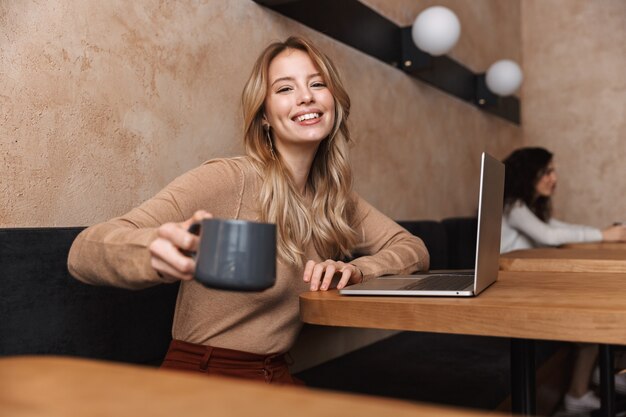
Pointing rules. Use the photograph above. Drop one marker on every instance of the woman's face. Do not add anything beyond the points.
(299, 107)
(547, 182)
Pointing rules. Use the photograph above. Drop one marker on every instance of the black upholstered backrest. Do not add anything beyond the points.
(43, 310)
(433, 234)
(461, 233)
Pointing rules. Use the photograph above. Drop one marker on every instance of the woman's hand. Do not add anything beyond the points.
(166, 253)
(614, 233)
(321, 274)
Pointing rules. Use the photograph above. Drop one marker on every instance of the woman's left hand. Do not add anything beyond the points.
(320, 274)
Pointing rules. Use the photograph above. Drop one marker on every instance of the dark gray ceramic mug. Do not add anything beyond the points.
(236, 255)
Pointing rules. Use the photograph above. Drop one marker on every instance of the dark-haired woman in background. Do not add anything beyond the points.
(530, 182)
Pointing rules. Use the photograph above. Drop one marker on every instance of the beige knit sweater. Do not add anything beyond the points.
(115, 253)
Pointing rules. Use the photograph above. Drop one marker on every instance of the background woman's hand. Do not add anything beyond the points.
(615, 233)
(320, 275)
(166, 255)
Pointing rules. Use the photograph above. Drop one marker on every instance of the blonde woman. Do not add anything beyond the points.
(295, 174)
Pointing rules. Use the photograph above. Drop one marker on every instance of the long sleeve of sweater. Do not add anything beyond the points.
(552, 233)
(387, 247)
(116, 252)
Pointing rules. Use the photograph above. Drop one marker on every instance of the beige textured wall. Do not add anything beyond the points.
(103, 103)
(574, 102)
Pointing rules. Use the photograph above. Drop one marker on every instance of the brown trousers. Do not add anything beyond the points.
(272, 369)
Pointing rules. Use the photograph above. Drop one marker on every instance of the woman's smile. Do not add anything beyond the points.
(308, 118)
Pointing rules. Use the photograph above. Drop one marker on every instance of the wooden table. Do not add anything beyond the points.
(584, 307)
(587, 307)
(564, 260)
(576, 258)
(54, 386)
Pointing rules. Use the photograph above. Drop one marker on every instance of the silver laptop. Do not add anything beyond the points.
(456, 283)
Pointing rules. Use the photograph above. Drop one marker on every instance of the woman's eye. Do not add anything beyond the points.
(283, 89)
(318, 84)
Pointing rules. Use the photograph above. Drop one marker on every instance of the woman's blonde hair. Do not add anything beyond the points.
(325, 222)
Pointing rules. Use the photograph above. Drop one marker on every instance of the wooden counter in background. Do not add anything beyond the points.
(596, 245)
(564, 260)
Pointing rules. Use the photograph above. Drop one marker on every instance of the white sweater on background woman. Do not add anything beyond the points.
(522, 229)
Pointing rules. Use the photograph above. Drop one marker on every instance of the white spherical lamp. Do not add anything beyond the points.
(436, 30)
(504, 77)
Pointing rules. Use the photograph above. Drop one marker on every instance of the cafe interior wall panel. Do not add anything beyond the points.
(104, 103)
(574, 102)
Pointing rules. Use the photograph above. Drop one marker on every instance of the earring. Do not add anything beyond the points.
(270, 144)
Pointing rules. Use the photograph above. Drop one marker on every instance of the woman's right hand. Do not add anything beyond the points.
(166, 256)
(614, 233)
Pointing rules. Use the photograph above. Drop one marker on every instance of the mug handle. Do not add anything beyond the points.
(193, 229)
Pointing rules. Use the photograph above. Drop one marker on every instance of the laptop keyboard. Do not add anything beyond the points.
(452, 282)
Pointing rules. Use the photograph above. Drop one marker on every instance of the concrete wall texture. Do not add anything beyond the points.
(574, 102)
(103, 103)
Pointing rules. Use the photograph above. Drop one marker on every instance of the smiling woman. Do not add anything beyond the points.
(302, 121)
(296, 174)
